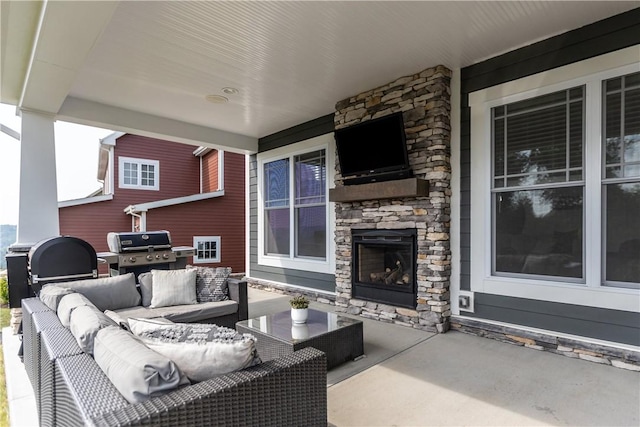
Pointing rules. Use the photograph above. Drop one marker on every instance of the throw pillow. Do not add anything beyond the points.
(68, 303)
(211, 283)
(173, 287)
(85, 323)
(50, 295)
(146, 288)
(138, 372)
(202, 351)
(109, 293)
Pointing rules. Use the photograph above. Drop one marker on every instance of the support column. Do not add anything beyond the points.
(38, 205)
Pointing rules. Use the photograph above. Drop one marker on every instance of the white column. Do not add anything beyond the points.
(38, 205)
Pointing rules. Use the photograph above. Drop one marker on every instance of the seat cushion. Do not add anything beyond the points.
(173, 287)
(109, 293)
(202, 351)
(187, 313)
(138, 372)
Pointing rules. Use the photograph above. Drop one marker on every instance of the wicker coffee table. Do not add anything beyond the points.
(338, 336)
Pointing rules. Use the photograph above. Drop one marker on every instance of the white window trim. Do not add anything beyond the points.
(327, 143)
(590, 72)
(197, 239)
(154, 163)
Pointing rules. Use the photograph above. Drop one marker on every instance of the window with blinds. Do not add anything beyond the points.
(538, 186)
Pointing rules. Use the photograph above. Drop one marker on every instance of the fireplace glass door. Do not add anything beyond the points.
(384, 266)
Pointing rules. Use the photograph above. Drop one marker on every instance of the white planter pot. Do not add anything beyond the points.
(299, 315)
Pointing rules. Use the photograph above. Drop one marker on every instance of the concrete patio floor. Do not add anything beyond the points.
(415, 378)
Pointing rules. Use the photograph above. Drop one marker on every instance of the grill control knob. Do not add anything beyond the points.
(165, 256)
(149, 257)
(158, 256)
(132, 259)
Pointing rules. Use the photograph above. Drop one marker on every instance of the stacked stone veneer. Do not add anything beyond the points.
(424, 99)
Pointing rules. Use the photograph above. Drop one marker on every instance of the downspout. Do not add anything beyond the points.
(220, 170)
(130, 210)
(200, 158)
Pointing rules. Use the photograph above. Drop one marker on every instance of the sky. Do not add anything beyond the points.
(76, 162)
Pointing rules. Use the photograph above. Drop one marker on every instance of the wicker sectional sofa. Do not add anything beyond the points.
(71, 389)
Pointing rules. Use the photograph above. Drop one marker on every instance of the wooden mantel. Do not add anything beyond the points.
(410, 187)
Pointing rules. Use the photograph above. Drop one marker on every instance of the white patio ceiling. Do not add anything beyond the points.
(146, 67)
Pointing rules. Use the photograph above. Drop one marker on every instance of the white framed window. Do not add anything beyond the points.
(140, 174)
(207, 249)
(555, 184)
(294, 219)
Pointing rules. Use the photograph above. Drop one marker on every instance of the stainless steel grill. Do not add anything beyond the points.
(140, 252)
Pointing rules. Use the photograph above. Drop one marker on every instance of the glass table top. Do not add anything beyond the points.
(279, 325)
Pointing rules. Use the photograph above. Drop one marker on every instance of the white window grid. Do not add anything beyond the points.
(140, 174)
(207, 249)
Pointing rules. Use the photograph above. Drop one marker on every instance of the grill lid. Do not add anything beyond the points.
(137, 242)
(62, 258)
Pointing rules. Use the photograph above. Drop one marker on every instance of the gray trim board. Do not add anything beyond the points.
(310, 129)
(599, 323)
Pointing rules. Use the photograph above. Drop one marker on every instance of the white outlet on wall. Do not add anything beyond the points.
(465, 301)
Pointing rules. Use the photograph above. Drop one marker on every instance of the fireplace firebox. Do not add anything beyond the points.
(384, 266)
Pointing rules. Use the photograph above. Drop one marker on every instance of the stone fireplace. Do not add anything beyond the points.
(373, 219)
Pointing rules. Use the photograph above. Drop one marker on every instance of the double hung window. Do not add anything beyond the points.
(546, 186)
(295, 206)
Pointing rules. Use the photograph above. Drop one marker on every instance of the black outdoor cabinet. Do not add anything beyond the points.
(18, 277)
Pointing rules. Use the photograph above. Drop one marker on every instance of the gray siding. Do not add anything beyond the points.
(592, 40)
(319, 281)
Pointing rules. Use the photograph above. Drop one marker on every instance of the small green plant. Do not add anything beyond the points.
(4, 290)
(299, 301)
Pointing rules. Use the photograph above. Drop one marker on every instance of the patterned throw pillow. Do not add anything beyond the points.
(211, 283)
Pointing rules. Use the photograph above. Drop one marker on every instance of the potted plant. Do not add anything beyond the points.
(299, 309)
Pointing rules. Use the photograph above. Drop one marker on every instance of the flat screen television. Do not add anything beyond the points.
(374, 148)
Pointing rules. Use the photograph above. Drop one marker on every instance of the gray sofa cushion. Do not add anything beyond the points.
(202, 351)
(85, 323)
(50, 295)
(173, 287)
(109, 293)
(138, 372)
(146, 288)
(68, 303)
(187, 313)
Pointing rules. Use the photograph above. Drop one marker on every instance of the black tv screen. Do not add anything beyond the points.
(373, 146)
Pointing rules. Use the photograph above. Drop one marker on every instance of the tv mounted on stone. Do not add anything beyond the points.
(373, 151)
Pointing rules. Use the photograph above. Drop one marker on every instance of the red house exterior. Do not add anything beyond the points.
(151, 184)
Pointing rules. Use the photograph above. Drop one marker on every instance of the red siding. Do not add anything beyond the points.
(179, 176)
(222, 216)
(210, 172)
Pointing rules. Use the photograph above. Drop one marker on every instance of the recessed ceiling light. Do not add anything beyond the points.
(216, 99)
(230, 90)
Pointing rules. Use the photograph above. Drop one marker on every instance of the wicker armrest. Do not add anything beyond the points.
(289, 391)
